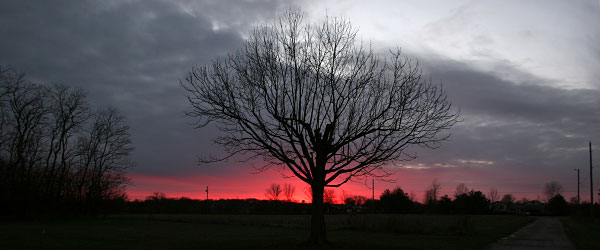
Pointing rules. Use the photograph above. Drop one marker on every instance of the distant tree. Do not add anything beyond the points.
(552, 189)
(289, 191)
(308, 193)
(574, 200)
(104, 152)
(472, 202)
(412, 196)
(329, 196)
(461, 189)
(444, 205)
(508, 199)
(355, 200)
(273, 192)
(431, 194)
(493, 195)
(156, 196)
(557, 205)
(396, 201)
(313, 99)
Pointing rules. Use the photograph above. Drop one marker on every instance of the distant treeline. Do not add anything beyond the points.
(394, 201)
(57, 153)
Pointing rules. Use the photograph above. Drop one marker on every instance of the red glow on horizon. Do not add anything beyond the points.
(244, 185)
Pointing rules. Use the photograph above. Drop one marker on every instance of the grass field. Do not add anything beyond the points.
(583, 231)
(259, 232)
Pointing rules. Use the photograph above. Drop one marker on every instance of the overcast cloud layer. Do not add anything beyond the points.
(523, 76)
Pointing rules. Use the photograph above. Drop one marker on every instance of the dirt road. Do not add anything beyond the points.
(544, 233)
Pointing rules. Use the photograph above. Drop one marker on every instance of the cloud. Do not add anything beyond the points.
(525, 129)
(129, 54)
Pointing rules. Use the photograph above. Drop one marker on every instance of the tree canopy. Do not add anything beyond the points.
(316, 100)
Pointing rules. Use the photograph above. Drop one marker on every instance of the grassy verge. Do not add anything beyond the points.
(194, 233)
(583, 231)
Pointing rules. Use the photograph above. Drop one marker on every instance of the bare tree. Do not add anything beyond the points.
(23, 132)
(412, 196)
(329, 196)
(432, 193)
(493, 195)
(355, 200)
(69, 112)
(273, 192)
(308, 192)
(53, 150)
(289, 191)
(552, 189)
(313, 99)
(104, 157)
(461, 189)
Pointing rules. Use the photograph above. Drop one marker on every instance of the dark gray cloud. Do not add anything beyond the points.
(129, 54)
(527, 129)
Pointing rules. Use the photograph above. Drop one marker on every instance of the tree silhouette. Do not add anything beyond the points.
(508, 199)
(472, 202)
(289, 191)
(329, 196)
(431, 194)
(396, 201)
(493, 195)
(315, 100)
(557, 205)
(461, 189)
(55, 152)
(273, 192)
(552, 189)
(355, 200)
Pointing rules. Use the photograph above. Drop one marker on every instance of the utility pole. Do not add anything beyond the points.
(591, 183)
(578, 199)
(373, 188)
(206, 192)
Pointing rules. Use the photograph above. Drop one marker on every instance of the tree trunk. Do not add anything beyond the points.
(318, 234)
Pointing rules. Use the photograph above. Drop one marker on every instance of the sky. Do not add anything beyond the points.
(523, 73)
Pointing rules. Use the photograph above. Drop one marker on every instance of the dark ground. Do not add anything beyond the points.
(259, 232)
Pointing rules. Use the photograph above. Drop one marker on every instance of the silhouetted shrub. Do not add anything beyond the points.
(473, 202)
(396, 201)
(557, 206)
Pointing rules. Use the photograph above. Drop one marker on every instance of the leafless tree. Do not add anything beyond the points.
(289, 191)
(412, 196)
(355, 200)
(329, 196)
(156, 196)
(493, 195)
(574, 200)
(69, 112)
(432, 193)
(461, 189)
(104, 156)
(315, 100)
(53, 149)
(23, 133)
(273, 192)
(552, 189)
